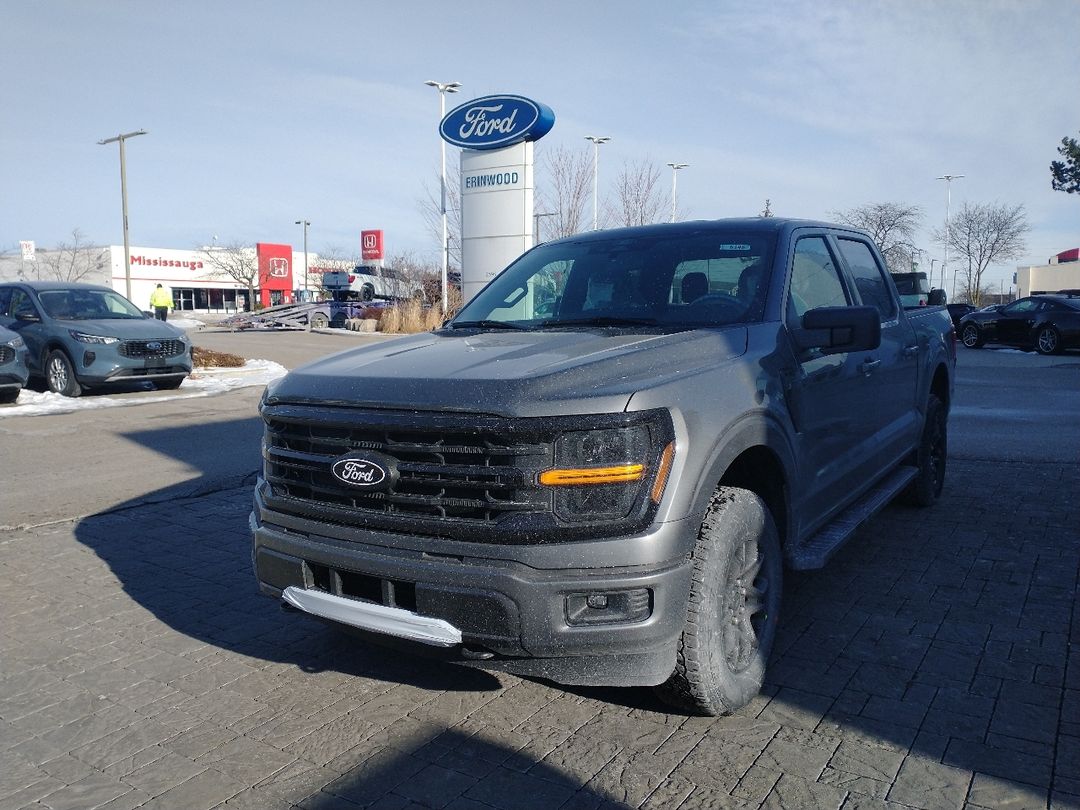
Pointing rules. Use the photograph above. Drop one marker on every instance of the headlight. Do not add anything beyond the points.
(17, 342)
(598, 473)
(82, 337)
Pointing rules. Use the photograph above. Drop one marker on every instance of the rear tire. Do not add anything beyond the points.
(1048, 341)
(8, 397)
(60, 375)
(367, 293)
(733, 608)
(930, 458)
(319, 321)
(971, 336)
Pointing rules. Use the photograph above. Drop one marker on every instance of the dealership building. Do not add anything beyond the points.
(194, 277)
(1062, 272)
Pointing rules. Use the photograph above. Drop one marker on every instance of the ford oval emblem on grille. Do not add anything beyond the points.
(362, 471)
(153, 345)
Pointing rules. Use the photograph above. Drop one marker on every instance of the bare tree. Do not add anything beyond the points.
(766, 212)
(638, 198)
(893, 226)
(983, 235)
(234, 261)
(76, 260)
(569, 188)
(431, 209)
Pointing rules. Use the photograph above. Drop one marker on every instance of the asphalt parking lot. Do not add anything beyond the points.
(934, 664)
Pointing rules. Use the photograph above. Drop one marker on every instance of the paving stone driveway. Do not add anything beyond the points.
(934, 664)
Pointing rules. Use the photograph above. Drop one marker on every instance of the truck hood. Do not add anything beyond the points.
(507, 373)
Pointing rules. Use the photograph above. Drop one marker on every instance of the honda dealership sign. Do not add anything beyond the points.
(371, 245)
(496, 135)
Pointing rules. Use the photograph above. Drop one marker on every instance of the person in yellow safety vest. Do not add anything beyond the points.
(161, 301)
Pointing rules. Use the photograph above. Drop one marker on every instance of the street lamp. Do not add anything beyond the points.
(443, 88)
(536, 224)
(596, 141)
(948, 178)
(305, 223)
(674, 174)
(123, 198)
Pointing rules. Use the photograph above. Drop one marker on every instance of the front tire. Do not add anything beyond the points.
(930, 457)
(319, 321)
(972, 337)
(367, 293)
(1048, 341)
(60, 375)
(733, 608)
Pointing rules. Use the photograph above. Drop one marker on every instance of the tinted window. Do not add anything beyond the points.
(869, 277)
(815, 281)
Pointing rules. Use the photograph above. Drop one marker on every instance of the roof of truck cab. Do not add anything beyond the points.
(764, 225)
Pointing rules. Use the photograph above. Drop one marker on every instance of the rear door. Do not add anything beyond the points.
(892, 369)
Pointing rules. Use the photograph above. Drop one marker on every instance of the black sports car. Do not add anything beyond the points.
(1046, 323)
(958, 311)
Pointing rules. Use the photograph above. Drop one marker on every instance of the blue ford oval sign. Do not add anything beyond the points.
(493, 122)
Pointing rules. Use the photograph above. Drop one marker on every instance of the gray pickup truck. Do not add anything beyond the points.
(597, 471)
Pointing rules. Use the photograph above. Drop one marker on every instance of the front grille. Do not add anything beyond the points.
(452, 468)
(459, 476)
(151, 348)
(7, 354)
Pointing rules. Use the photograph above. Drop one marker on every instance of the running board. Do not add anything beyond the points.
(816, 551)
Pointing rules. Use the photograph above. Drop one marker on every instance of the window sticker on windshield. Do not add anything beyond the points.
(740, 248)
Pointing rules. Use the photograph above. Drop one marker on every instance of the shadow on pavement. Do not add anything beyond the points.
(935, 645)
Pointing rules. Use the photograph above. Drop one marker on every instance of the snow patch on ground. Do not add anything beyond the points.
(203, 382)
(182, 322)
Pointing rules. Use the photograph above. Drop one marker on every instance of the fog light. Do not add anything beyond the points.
(597, 601)
(88, 359)
(611, 607)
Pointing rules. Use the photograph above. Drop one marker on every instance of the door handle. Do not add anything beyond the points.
(911, 351)
(867, 366)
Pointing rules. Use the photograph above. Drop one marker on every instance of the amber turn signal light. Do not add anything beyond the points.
(592, 475)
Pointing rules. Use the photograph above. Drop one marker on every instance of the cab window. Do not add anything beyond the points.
(815, 281)
(869, 277)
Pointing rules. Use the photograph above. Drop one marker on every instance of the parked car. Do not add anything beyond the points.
(958, 311)
(83, 336)
(14, 371)
(594, 473)
(1046, 323)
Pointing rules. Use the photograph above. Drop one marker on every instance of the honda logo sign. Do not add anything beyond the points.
(371, 245)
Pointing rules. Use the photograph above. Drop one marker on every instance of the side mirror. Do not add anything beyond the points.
(936, 298)
(834, 330)
(27, 316)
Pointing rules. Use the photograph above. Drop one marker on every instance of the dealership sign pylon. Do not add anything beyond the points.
(496, 135)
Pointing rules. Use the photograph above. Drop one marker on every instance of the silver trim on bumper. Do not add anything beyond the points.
(377, 618)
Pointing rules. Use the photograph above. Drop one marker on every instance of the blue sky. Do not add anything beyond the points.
(260, 114)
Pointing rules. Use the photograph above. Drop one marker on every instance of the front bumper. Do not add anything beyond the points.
(510, 614)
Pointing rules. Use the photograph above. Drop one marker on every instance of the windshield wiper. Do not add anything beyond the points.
(605, 320)
(486, 325)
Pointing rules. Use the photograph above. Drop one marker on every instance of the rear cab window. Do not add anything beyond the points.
(869, 277)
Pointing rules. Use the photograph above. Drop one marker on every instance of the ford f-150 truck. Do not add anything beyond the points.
(596, 472)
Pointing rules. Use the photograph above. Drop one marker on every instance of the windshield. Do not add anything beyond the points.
(682, 281)
(86, 305)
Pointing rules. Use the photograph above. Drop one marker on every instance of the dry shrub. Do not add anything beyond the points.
(409, 317)
(207, 358)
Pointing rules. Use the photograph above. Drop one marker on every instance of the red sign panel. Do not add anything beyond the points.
(275, 266)
(371, 245)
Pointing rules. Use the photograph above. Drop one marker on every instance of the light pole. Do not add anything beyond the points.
(674, 179)
(536, 224)
(932, 263)
(305, 223)
(443, 88)
(596, 141)
(948, 178)
(123, 199)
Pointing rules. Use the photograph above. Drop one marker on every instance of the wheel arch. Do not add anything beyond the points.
(760, 470)
(940, 387)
